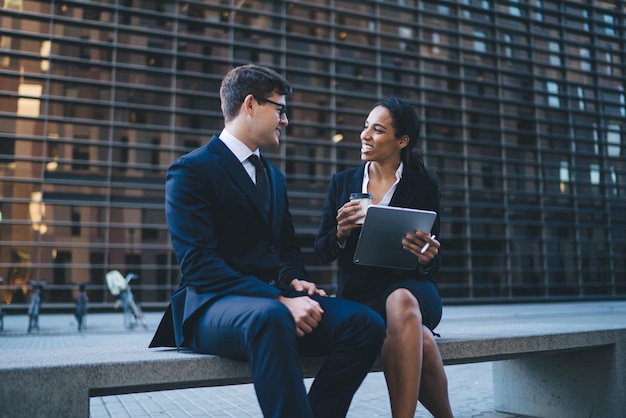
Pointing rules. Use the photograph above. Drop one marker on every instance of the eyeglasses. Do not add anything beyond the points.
(283, 107)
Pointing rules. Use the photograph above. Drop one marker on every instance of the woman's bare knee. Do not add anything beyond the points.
(403, 308)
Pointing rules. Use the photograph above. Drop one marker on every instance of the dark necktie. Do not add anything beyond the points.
(261, 179)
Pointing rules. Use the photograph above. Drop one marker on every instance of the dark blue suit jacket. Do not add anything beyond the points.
(225, 241)
(363, 283)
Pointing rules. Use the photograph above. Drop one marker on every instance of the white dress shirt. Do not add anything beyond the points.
(241, 151)
(387, 197)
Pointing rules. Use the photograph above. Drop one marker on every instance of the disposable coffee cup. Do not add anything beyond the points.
(365, 199)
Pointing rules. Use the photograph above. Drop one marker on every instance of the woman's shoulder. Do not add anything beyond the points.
(424, 176)
(432, 179)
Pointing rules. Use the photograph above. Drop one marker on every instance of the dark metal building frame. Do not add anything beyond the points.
(523, 108)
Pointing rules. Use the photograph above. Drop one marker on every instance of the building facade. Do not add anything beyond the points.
(523, 108)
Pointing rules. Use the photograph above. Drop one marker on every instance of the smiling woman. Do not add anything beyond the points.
(395, 175)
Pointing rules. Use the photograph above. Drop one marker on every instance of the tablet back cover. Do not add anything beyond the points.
(380, 241)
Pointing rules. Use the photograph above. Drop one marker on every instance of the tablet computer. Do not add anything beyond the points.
(380, 241)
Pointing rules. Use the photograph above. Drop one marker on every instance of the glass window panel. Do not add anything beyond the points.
(205, 20)
(305, 11)
(353, 6)
(614, 140)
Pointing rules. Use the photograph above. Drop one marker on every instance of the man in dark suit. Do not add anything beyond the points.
(245, 292)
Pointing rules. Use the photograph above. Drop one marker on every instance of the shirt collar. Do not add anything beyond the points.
(366, 176)
(241, 151)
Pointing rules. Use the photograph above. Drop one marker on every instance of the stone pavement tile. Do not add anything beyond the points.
(470, 387)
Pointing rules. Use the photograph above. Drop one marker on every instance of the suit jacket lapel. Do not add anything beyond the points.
(404, 194)
(235, 169)
(356, 182)
(277, 203)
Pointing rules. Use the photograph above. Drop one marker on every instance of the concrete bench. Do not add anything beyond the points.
(542, 370)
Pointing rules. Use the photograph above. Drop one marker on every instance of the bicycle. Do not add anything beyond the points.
(120, 288)
(34, 306)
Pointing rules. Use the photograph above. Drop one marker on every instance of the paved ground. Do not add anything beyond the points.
(470, 386)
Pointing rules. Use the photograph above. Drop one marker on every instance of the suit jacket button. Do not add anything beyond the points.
(271, 282)
(273, 248)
